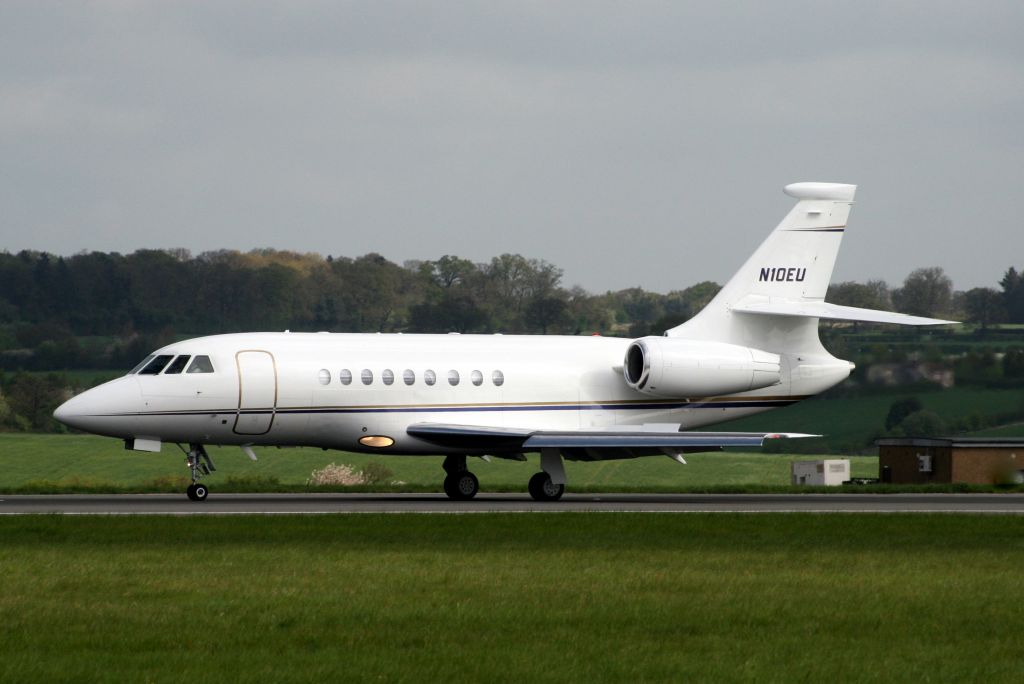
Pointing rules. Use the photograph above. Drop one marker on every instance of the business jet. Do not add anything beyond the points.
(754, 347)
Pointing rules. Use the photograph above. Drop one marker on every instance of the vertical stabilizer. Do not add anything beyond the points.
(794, 264)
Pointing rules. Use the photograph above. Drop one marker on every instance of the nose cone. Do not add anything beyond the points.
(109, 409)
(65, 413)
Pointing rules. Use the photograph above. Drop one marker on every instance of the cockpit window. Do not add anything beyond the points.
(141, 365)
(157, 364)
(200, 364)
(177, 365)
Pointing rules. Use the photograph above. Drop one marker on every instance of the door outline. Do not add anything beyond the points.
(273, 408)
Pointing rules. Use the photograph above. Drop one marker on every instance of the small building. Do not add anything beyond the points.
(828, 472)
(895, 374)
(941, 460)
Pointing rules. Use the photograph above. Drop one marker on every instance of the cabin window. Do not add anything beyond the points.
(408, 377)
(177, 365)
(387, 376)
(345, 375)
(142, 364)
(477, 378)
(498, 378)
(157, 364)
(200, 364)
(429, 377)
(324, 376)
(453, 377)
(366, 376)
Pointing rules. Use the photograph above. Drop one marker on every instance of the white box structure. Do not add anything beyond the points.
(828, 472)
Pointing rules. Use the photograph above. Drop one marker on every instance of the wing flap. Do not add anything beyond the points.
(654, 436)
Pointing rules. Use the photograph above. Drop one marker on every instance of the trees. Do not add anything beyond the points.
(1013, 295)
(984, 306)
(900, 410)
(31, 399)
(925, 292)
(874, 294)
(169, 292)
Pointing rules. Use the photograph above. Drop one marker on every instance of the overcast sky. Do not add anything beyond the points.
(632, 144)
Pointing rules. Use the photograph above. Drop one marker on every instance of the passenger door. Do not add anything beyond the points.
(257, 392)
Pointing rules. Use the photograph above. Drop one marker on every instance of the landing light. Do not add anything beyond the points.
(378, 441)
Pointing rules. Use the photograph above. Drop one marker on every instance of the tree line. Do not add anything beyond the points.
(106, 310)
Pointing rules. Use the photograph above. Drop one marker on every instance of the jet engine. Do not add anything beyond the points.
(673, 367)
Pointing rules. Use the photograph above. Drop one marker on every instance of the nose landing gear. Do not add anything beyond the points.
(199, 464)
(197, 492)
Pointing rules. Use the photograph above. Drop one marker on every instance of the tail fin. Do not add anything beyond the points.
(774, 301)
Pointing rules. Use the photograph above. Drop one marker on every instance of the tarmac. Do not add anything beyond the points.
(309, 504)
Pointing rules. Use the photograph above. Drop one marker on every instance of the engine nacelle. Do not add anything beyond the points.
(673, 367)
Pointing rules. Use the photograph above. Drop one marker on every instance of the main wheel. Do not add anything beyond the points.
(199, 491)
(543, 489)
(461, 486)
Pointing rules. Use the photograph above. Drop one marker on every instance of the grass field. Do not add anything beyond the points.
(96, 463)
(512, 598)
(851, 421)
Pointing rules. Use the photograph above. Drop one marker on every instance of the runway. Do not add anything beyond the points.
(310, 504)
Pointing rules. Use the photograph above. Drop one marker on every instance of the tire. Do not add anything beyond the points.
(461, 486)
(191, 492)
(199, 492)
(543, 489)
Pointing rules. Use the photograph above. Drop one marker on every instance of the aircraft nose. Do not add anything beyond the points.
(109, 409)
(63, 413)
(73, 411)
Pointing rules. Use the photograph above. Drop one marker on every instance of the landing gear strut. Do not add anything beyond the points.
(459, 484)
(199, 464)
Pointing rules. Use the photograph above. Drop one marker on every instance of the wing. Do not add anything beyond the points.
(589, 445)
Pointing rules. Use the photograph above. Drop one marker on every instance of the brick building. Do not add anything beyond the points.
(971, 461)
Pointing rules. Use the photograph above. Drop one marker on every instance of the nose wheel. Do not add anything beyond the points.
(197, 492)
(199, 464)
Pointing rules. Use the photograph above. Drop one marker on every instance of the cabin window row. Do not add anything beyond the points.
(387, 376)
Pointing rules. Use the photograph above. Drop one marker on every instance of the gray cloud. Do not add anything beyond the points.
(632, 145)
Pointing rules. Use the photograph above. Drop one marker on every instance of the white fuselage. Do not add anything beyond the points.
(286, 389)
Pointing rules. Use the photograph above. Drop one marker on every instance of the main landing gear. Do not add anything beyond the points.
(547, 485)
(543, 489)
(459, 484)
(199, 464)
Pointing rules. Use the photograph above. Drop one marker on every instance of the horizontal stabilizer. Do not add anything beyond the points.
(815, 309)
(641, 436)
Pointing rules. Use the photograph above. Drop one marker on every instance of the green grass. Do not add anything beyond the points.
(1001, 432)
(32, 462)
(850, 421)
(512, 598)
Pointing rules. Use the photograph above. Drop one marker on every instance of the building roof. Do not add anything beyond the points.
(969, 442)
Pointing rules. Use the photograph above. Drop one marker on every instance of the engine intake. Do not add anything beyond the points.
(672, 367)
